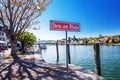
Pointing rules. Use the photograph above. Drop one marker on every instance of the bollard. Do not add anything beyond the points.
(40, 49)
(69, 60)
(97, 59)
(57, 52)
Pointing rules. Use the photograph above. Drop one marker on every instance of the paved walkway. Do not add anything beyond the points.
(33, 67)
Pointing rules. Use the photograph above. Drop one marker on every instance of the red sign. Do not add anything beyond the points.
(64, 26)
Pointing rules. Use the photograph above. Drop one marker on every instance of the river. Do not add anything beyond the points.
(83, 55)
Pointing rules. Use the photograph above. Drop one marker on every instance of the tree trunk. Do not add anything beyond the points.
(13, 50)
(23, 46)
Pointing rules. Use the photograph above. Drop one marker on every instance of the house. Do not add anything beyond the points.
(3, 38)
(81, 41)
(102, 40)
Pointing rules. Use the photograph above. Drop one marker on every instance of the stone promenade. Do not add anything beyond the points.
(33, 67)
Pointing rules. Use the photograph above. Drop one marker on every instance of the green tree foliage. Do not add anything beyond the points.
(27, 38)
(96, 38)
(107, 39)
(118, 38)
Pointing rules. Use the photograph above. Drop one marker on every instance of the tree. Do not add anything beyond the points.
(27, 38)
(107, 39)
(118, 38)
(17, 15)
(95, 39)
(85, 41)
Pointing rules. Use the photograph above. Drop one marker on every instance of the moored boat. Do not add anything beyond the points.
(43, 46)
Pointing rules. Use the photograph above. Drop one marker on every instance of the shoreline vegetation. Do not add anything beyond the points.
(103, 40)
(115, 44)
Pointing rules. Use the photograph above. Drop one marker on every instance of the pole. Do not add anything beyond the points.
(57, 52)
(69, 60)
(66, 52)
(69, 52)
(40, 49)
(67, 56)
(97, 59)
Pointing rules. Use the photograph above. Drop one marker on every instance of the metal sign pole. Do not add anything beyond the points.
(65, 26)
(66, 54)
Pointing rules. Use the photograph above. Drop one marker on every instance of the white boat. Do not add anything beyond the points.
(43, 46)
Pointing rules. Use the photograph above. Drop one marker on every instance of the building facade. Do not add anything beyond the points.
(3, 38)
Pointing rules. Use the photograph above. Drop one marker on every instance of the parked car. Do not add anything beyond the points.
(1, 48)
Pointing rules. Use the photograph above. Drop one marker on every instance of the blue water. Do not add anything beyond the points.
(82, 55)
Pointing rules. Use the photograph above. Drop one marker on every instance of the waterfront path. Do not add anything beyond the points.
(33, 67)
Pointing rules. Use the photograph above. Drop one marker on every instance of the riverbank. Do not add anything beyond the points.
(33, 67)
(101, 44)
(30, 70)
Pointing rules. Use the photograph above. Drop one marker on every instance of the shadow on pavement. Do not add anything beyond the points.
(20, 69)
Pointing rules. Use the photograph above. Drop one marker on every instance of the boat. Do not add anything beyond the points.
(43, 46)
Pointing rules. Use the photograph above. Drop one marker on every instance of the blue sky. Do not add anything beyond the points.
(95, 17)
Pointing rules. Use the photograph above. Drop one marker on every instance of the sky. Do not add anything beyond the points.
(95, 17)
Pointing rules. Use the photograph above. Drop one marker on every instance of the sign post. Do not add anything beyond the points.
(64, 26)
(66, 50)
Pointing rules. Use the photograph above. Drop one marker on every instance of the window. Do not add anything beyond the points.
(2, 34)
(3, 39)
